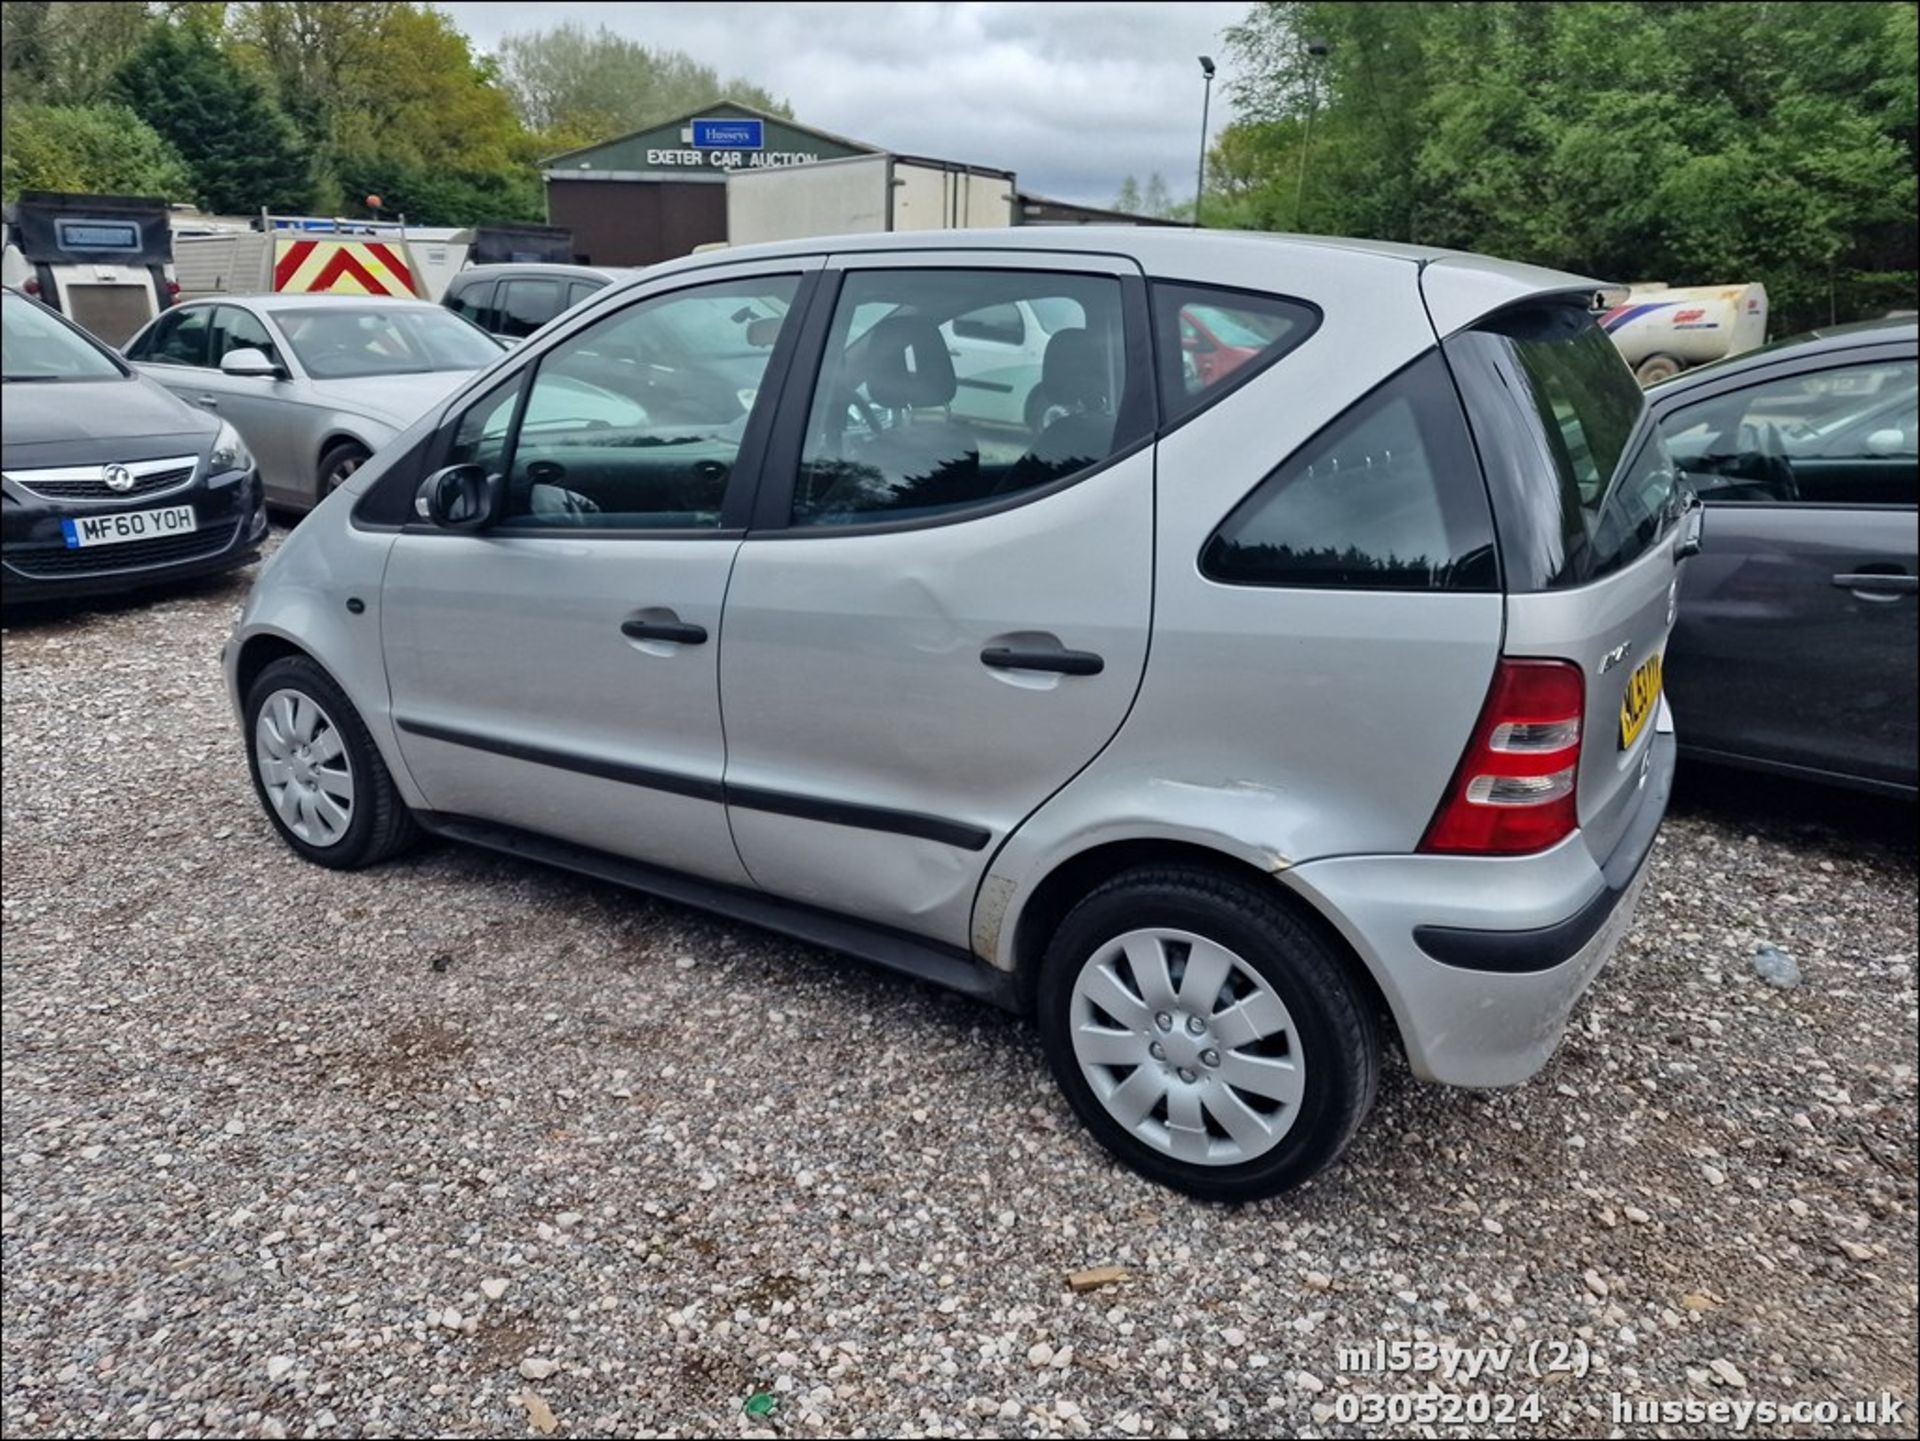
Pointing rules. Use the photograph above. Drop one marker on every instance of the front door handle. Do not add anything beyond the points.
(1067, 662)
(1878, 585)
(211, 401)
(678, 632)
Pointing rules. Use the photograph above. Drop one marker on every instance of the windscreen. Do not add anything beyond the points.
(344, 342)
(37, 346)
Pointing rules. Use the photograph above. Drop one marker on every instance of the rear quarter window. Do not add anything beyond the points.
(1209, 340)
(1387, 497)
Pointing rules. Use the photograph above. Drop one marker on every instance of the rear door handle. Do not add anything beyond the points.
(1878, 585)
(1067, 662)
(679, 632)
(207, 400)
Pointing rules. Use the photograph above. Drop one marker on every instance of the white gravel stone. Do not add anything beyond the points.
(414, 1133)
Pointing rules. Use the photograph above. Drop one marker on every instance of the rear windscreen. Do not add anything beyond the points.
(1581, 480)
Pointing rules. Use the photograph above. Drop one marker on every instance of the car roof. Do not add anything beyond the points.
(1458, 287)
(543, 267)
(1828, 340)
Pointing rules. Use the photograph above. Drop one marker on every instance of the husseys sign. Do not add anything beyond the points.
(727, 143)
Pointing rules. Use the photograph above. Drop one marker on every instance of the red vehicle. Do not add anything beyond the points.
(1215, 343)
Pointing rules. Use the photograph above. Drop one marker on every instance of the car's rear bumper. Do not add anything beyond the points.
(1482, 960)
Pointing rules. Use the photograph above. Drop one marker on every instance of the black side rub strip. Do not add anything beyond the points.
(1544, 947)
(839, 813)
(654, 780)
(866, 818)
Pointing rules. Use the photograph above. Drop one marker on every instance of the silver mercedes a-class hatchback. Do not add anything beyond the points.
(1236, 651)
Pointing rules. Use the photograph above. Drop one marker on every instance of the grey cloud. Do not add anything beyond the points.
(1072, 96)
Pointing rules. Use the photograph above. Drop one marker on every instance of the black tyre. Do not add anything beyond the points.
(1205, 1034)
(317, 772)
(337, 462)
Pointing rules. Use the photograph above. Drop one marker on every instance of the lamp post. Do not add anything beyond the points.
(1317, 50)
(1206, 102)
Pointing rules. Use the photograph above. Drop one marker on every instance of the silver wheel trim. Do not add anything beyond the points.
(1187, 1046)
(304, 767)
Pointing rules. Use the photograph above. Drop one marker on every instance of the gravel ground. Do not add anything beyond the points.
(466, 1147)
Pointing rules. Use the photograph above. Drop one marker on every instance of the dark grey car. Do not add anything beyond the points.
(512, 301)
(1794, 651)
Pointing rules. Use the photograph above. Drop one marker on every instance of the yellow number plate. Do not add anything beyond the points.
(1640, 701)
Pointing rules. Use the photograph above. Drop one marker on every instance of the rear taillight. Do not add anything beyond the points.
(30, 286)
(1516, 787)
(173, 289)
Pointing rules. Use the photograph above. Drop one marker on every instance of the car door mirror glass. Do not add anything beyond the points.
(459, 497)
(248, 362)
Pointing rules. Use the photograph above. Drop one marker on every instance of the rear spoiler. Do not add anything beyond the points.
(1461, 290)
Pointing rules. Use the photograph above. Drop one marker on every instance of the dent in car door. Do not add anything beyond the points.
(898, 700)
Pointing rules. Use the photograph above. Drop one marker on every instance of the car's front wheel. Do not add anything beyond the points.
(1206, 1035)
(317, 772)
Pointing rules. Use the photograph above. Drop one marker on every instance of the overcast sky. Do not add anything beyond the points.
(1070, 96)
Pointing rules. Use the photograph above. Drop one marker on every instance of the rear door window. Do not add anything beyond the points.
(1211, 339)
(526, 305)
(1388, 497)
(915, 416)
(1581, 479)
(579, 290)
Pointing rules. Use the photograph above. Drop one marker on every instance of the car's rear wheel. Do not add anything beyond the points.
(337, 462)
(317, 772)
(1206, 1036)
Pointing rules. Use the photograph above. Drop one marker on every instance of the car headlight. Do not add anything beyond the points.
(229, 450)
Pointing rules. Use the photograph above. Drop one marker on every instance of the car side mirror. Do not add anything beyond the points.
(250, 362)
(460, 497)
(1891, 441)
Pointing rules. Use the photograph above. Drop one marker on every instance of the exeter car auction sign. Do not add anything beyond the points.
(709, 143)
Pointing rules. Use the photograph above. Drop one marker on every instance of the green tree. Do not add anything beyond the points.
(1687, 142)
(1128, 199)
(67, 53)
(393, 101)
(573, 86)
(98, 149)
(240, 148)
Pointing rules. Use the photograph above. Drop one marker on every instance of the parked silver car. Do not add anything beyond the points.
(315, 383)
(1225, 718)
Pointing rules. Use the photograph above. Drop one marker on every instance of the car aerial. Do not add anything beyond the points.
(511, 301)
(1225, 726)
(315, 383)
(1795, 647)
(110, 483)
